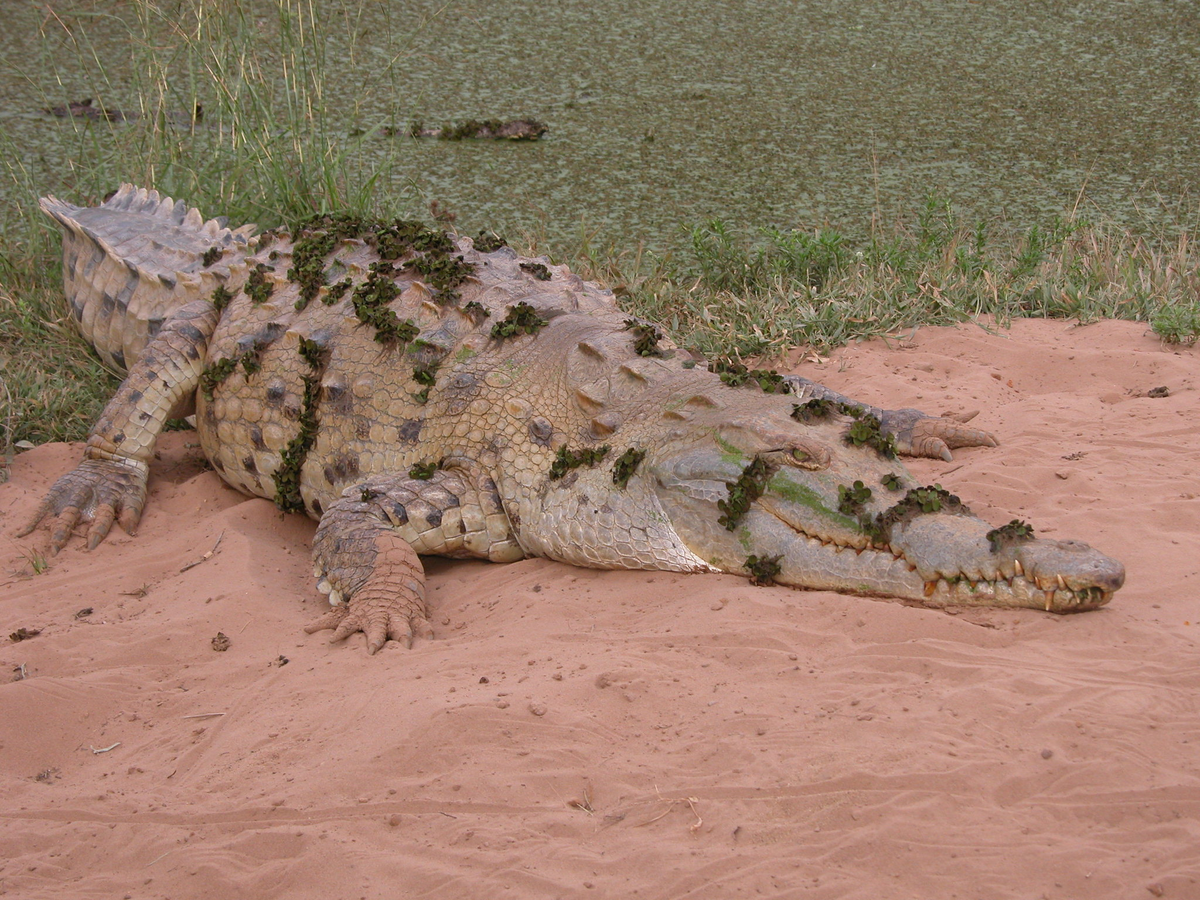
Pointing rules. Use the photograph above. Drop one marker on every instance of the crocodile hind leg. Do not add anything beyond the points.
(366, 548)
(110, 484)
(915, 433)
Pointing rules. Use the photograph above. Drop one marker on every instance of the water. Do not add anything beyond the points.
(764, 112)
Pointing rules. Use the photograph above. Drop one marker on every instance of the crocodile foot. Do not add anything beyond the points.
(917, 434)
(373, 577)
(99, 491)
(380, 617)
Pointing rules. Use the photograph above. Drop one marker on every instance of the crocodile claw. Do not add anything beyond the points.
(99, 491)
(380, 618)
(917, 434)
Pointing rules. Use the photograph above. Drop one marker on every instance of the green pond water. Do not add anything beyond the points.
(664, 113)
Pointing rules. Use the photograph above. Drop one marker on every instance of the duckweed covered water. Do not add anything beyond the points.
(763, 112)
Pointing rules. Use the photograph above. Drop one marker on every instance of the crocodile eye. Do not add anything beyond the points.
(800, 456)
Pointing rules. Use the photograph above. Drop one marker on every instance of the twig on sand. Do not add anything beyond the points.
(207, 556)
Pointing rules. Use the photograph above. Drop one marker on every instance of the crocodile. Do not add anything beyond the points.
(482, 130)
(84, 109)
(419, 392)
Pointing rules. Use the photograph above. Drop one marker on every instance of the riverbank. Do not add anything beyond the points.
(576, 733)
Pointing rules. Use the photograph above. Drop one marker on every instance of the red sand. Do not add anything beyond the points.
(573, 733)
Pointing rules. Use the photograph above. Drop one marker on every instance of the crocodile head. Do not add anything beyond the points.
(799, 504)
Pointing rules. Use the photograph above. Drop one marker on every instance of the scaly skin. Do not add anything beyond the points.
(571, 435)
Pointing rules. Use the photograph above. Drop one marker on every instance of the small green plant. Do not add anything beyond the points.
(817, 409)
(1177, 324)
(37, 561)
(489, 242)
(866, 429)
(371, 301)
(477, 311)
(221, 297)
(258, 287)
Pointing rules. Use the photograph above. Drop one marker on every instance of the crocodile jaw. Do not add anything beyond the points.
(936, 560)
(943, 560)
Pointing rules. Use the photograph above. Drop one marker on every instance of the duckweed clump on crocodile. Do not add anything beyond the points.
(743, 492)
(537, 270)
(1015, 532)
(220, 297)
(626, 465)
(763, 569)
(645, 337)
(521, 319)
(852, 498)
(258, 287)
(566, 460)
(423, 471)
(735, 375)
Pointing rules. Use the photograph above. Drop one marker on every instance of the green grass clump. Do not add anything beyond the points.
(757, 293)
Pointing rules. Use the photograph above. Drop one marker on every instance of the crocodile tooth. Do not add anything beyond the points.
(1062, 582)
(335, 598)
(1049, 599)
(930, 587)
(324, 586)
(1018, 568)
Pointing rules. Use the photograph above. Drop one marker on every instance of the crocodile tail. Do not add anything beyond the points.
(132, 261)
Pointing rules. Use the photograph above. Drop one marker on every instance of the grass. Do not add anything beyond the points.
(273, 150)
(749, 294)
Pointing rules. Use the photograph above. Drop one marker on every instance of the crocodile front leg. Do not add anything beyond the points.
(915, 433)
(110, 484)
(366, 546)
